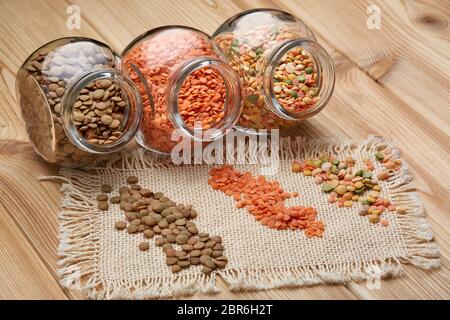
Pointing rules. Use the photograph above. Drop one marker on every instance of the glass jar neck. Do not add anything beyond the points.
(232, 105)
(325, 76)
(132, 113)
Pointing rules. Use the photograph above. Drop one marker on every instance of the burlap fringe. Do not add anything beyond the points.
(79, 243)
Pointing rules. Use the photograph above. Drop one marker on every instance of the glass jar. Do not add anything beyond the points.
(287, 75)
(75, 101)
(185, 85)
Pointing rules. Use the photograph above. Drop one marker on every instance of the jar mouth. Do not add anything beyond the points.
(232, 107)
(325, 78)
(132, 110)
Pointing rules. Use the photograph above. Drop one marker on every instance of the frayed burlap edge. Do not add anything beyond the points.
(79, 242)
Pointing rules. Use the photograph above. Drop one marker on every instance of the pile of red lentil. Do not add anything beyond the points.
(201, 97)
(264, 199)
(345, 184)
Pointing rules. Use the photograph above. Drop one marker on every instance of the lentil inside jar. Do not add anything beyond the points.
(255, 44)
(58, 106)
(182, 80)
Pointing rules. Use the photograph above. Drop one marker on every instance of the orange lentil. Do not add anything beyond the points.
(201, 97)
(264, 199)
(202, 103)
(384, 222)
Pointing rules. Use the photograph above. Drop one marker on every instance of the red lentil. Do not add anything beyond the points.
(264, 199)
(157, 57)
(202, 98)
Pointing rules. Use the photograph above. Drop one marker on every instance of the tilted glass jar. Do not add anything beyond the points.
(287, 75)
(75, 101)
(185, 85)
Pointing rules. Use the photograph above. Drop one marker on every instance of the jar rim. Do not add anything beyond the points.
(325, 67)
(233, 102)
(70, 97)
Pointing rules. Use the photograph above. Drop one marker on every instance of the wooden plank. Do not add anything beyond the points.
(384, 87)
(33, 206)
(409, 55)
(22, 274)
(19, 165)
(395, 88)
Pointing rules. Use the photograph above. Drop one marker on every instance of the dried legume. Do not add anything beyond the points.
(265, 200)
(201, 97)
(99, 112)
(245, 49)
(295, 81)
(53, 68)
(346, 184)
(154, 213)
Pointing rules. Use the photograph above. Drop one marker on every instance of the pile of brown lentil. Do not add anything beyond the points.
(295, 81)
(100, 111)
(155, 214)
(346, 185)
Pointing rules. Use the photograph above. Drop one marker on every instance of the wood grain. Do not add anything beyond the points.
(392, 82)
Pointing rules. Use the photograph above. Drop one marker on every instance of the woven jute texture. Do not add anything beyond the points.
(107, 264)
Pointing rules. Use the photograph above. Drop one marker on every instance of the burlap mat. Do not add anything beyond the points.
(106, 264)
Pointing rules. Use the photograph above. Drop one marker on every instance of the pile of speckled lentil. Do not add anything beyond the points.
(295, 81)
(156, 216)
(264, 199)
(345, 184)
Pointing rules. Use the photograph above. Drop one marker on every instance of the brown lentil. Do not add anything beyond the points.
(144, 246)
(148, 215)
(102, 197)
(175, 268)
(105, 188)
(132, 179)
(103, 205)
(206, 270)
(160, 241)
(115, 200)
(148, 233)
(120, 225)
(171, 261)
(132, 228)
(99, 112)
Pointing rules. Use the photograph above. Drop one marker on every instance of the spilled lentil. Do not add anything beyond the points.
(346, 185)
(264, 199)
(170, 224)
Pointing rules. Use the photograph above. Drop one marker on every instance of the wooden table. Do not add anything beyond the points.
(392, 82)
